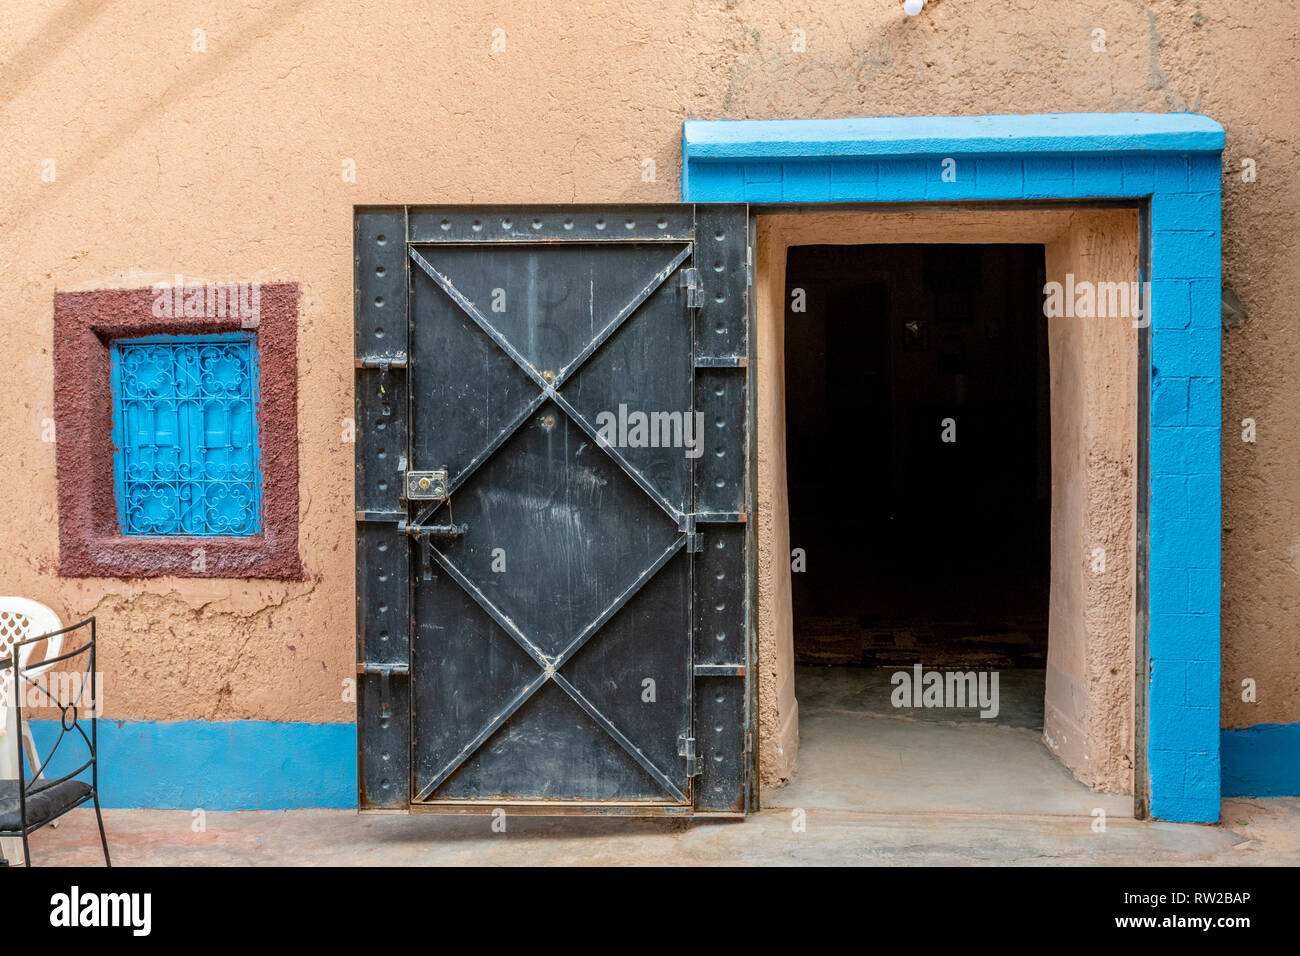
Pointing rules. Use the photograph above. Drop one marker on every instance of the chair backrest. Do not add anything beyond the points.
(75, 696)
(20, 619)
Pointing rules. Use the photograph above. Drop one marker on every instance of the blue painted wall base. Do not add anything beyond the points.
(1261, 761)
(262, 765)
(216, 765)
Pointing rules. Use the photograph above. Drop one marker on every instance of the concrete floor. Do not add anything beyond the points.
(1254, 832)
(858, 752)
(876, 786)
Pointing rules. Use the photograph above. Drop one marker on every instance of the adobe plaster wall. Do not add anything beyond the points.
(1089, 704)
(225, 165)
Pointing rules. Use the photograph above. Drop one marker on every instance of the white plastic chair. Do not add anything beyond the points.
(20, 619)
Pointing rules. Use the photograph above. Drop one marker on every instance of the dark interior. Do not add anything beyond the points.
(917, 548)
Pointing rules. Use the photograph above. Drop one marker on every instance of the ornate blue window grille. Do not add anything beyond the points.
(186, 458)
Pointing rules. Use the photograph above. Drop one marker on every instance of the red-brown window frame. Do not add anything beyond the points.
(90, 541)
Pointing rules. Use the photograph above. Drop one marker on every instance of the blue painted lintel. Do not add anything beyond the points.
(885, 136)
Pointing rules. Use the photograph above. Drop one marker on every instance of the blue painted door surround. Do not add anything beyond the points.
(1171, 161)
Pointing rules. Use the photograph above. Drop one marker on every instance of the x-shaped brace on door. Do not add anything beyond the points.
(549, 383)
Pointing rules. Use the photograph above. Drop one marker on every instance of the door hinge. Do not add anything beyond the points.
(382, 362)
(686, 748)
(694, 542)
(690, 281)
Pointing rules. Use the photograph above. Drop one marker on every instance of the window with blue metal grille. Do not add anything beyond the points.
(186, 457)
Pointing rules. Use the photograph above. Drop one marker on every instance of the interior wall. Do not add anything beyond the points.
(1088, 717)
(778, 710)
(1096, 362)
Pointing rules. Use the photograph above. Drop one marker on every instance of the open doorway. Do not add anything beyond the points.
(944, 460)
(918, 455)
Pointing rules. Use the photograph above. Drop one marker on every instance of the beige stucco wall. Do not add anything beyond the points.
(1091, 658)
(225, 164)
(1088, 718)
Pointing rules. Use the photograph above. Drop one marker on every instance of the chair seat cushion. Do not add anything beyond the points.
(44, 802)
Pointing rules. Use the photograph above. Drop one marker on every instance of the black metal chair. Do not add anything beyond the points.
(27, 804)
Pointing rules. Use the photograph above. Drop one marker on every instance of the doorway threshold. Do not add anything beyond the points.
(860, 753)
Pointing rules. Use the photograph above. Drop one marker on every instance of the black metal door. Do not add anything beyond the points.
(552, 492)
